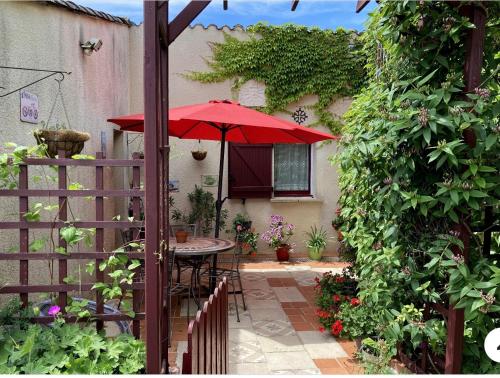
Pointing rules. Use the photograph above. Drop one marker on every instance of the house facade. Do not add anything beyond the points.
(297, 182)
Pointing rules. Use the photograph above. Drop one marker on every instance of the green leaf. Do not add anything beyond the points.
(36, 245)
(427, 135)
(427, 78)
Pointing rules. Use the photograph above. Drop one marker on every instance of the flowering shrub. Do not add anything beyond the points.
(279, 232)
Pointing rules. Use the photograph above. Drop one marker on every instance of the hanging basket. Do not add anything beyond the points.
(70, 141)
(199, 155)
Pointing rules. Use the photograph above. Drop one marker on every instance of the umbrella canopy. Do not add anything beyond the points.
(243, 125)
(226, 120)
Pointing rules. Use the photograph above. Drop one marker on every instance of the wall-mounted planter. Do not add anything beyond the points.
(67, 140)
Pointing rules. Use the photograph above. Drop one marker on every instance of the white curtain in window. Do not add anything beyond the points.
(291, 167)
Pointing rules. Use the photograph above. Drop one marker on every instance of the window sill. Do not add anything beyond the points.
(296, 200)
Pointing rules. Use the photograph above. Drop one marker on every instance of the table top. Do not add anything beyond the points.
(198, 246)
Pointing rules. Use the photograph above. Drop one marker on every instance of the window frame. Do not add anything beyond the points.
(295, 193)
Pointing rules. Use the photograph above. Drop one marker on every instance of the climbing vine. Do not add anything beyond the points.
(409, 178)
(292, 61)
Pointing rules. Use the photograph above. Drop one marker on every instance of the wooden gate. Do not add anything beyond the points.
(207, 350)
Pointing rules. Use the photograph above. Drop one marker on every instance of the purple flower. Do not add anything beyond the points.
(54, 310)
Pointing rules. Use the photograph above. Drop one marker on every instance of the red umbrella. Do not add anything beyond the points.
(227, 121)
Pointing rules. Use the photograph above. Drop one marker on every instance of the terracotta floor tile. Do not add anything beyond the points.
(351, 365)
(309, 311)
(292, 311)
(303, 326)
(287, 304)
(328, 363)
(333, 371)
(296, 319)
(288, 282)
(348, 346)
(300, 304)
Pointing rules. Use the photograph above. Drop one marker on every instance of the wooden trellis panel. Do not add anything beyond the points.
(100, 224)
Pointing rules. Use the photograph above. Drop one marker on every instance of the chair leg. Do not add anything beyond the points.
(241, 289)
(235, 298)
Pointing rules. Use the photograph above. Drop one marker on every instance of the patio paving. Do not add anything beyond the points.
(278, 333)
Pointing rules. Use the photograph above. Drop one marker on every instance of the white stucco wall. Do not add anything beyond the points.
(110, 83)
(35, 35)
(188, 53)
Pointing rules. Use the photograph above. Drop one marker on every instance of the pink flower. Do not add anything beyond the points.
(239, 228)
(54, 310)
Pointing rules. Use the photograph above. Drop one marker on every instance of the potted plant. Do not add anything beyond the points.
(278, 235)
(316, 243)
(59, 137)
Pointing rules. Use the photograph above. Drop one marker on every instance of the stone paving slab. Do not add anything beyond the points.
(253, 303)
(260, 368)
(321, 345)
(267, 314)
(296, 372)
(245, 351)
(271, 328)
(277, 344)
(289, 361)
(288, 294)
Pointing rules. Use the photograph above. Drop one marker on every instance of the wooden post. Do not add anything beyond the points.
(472, 74)
(99, 236)
(23, 232)
(152, 195)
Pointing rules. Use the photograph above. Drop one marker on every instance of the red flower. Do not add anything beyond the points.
(337, 328)
(339, 279)
(355, 302)
(347, 298)
(322, 329)
(336, 298)
(316, 279)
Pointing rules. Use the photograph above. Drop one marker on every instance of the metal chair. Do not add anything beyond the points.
(233, 274)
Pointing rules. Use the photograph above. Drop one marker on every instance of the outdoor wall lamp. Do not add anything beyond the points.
(93, 44)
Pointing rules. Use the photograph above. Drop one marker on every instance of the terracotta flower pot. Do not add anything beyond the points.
(283, 252)
(181, 236)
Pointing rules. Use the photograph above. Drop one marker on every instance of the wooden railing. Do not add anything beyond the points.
(207, 350)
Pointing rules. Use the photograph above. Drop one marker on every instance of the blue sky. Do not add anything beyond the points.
(323, 13)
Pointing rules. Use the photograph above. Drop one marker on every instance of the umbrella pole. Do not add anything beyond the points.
(218, 203)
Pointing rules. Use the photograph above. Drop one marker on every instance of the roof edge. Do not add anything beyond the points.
(71, 6)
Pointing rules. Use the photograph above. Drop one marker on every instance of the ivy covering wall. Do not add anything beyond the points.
(408, 178)
(292, 61)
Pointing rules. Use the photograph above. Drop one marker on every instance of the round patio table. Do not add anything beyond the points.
(201, 248)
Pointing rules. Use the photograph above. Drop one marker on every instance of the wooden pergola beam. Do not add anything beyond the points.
(361, 4)
(185, 17)
(294, 5)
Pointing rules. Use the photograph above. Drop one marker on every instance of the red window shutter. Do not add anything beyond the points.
(250, 170)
